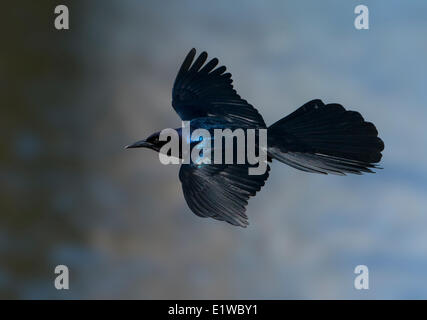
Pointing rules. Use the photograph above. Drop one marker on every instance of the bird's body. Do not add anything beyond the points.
(315, 138)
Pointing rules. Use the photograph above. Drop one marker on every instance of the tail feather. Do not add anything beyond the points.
(325, 139)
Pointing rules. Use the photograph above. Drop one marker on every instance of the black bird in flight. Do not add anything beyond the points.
(317, 137)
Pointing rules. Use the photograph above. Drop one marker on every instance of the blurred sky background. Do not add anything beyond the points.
(70, 194)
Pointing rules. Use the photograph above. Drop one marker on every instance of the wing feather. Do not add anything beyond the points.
(220, 191)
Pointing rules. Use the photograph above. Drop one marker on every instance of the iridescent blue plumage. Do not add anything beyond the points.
(315, 138)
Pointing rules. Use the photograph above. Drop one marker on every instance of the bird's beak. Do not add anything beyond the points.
(139, 144)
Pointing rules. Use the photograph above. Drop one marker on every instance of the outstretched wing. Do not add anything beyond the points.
(220, 191)
(207, 91)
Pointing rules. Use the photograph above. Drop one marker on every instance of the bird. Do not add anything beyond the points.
(317, 137)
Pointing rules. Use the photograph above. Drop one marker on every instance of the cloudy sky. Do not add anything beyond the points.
(117, 218)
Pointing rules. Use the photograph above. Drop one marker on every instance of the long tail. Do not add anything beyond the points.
(325, 139)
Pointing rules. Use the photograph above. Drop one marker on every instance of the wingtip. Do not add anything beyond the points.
(203, 56)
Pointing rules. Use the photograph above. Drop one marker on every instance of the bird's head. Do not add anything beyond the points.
(152, 142)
